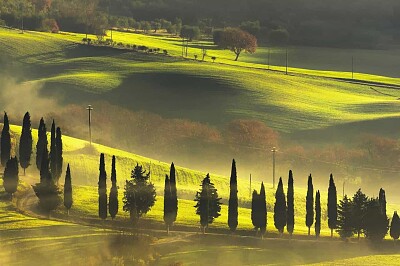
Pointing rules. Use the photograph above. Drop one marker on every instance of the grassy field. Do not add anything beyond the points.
(84, 168)
(79, 74)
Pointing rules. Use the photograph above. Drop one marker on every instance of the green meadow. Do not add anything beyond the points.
(225, 90)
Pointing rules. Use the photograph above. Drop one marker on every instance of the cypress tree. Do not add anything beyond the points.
(395, 227)
(382, 201)
(254, 210)
(41, 144)
(310, 204)
(25, 143)
(233, 199)
(10, 177)
(53, 152)
(5, 142)
(139, 194)
(59, 154)
(46, 190)
(376, 224)
(317, 214)
(113, 198)
(68, 190)
(290, 204)
(102, 189)
(208, 205)
(174, 193)
(44, 168)
(344, 221)
(359, 209)
(168, 209)
(280, 208)
(262, 209)
(332, 205)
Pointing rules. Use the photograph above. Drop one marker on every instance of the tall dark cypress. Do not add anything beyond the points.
(332, 205)
(102, 188)
(280, 208)
(290, 204)
(233, 199)
(382, 201)
(310, 204)
(68, 190)
(262, 210)
(53, 152)
(25, 143)
(168, 208)
(41, 143)
(5, 142)
(174, 192)
(44, 168)
(59, 154)
(113, 198)
(317, 214)
(254, 210)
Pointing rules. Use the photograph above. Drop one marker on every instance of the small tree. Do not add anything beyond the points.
(237, 41)
(25, 143)
(208, 205)
(310, 204)
(41, 144)
(317, 214)
(262, 209)
(395, 227)
(68, 190)
(290, 204)
(139, 194)
(344, 222)
(10, 178)
(376, 224)
(280, 208)
(359, 209)
(332, 205)
(102, 190)
(233, 199)
(5, 142)
(113, 198)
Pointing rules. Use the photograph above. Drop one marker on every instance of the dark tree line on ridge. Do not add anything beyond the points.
(357, 215)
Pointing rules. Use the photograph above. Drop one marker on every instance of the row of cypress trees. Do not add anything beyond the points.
(109, 206)
(49, 165)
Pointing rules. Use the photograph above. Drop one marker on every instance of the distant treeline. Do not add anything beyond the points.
(359, 23)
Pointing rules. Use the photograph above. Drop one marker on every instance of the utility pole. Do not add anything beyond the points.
(352, 67)
(250, 186)
(89, 108)
(274, 150)
(287, 60)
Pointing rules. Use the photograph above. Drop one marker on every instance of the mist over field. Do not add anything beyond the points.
(188, 132)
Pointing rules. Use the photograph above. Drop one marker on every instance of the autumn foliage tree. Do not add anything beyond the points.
(237, 41)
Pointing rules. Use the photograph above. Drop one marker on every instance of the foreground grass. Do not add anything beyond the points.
(223, 91)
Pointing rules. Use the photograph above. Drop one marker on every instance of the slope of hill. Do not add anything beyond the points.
(84, 160)
(166, 85)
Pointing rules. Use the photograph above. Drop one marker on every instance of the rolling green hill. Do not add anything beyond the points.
(84, 161)
(213, 93)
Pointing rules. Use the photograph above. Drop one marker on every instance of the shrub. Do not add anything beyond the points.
(213, 58)
(165, 52)
(50, 25)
